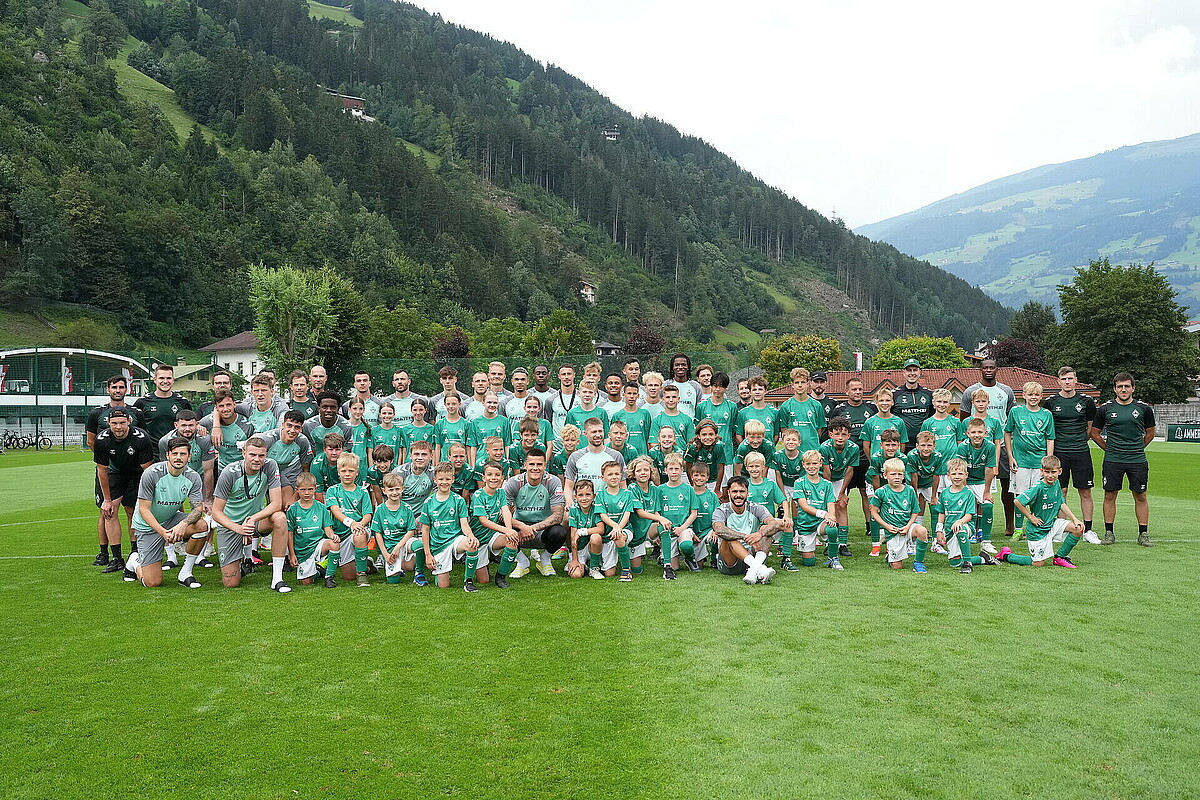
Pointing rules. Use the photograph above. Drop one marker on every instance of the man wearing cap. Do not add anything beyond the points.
(1002, 399)
(97, 420)
(121, 454)
(816, 390)
(913, 402)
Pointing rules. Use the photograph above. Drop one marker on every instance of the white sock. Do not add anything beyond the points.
(189, 563)
(169, 554)
(544, 558)
(522, 560)
(208, 550)
(757, 558)
(132, 562)
(276, 570)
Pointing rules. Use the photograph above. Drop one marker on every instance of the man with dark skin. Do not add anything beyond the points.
(326, 421)
(857, 412)
(1002, 399)
(541, 384)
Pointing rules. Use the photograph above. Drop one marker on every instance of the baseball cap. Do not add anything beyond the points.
(819, 376)
(912, 362)
(118, 413)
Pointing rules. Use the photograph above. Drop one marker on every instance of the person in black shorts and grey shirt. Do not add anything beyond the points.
(121, 454)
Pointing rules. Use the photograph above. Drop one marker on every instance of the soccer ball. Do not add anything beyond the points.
(576, 570)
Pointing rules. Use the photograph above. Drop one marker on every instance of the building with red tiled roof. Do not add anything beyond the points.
(956, 380)
(237, 354)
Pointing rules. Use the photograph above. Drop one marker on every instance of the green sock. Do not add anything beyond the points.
(668, 546)
(922, 546)
(808, 561)
(593, 560)
(874, 530)
(361, 559)
(831, 542)
(786, 543)
(418, 551)
(986, 528)
(964, 544)
(636, 570)
(623, 556)
(472, 565)
(687, 547)
(1024, 561)
(508, 560)
(1067, 546)
(1020, 520)
(331, 564)
(393, 578)
(974, 560)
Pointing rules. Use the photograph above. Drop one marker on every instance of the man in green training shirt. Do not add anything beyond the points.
(160, 406)
(1122, 428)
(1073, 413)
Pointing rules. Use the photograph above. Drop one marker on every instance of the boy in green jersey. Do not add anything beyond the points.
(418, 431)
(1028, 438)
(532, 416)
(569, 436)
(493, 450)
(924, 466)
(311, 540)
(707, 502)
(1049, 520)
(586, 408)
(769, 494)
(943, 426)
(446, 530)
(464, 473)
(708, 449)
(586, 533)
(395, 527)
(528, 433)
(491, 522)
(677, 512)
(789, 462)
(382, 460)
(816, 505)
(896, 510)
(351, 507)
(882, 420)
(721, 411)
(801, 413)
(758, 411)
(841, 457)
(889, 443)
(618, 440)
(324, 466)
(663, 447)
(616, 505)
(754, 441)
(645, 498)
(980, 455)
(673, 417)
(954, 514)
(449, 429)
(638, 421)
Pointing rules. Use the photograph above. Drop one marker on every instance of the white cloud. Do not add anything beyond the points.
(876, 108)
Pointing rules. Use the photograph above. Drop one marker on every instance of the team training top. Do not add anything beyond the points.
(1044, 500)
(914, 406)
(1124, 428)
(244, 494)
(158, 413)
(532, 504)
(125, 456)
(308, 526)
(166, 493)
(1072, 416)
(747, 522)
(98, 417)
(201, 448)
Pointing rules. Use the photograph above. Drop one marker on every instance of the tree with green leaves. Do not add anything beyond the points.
(499, 338)
(932, 353)
(342, 348)
(780, 355)
(401, 332)
(1125, 319)
(562, 333)
(1034, 322)
(292, 316)
(104, 29)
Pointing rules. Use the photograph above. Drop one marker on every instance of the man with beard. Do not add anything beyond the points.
(121, 454)
(160, 406)
(97, 421)
(690, 391)
(402, 398)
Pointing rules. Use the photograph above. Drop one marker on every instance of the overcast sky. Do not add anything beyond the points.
(872, 109)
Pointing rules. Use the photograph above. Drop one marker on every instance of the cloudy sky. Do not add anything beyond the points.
(872, 109)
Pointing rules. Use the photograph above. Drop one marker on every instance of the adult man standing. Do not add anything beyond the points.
(248, 503)
(816, 390)
(362, 391)
(563, 400)
(229, 431)
(298, 397)
(1073, 413)
(402, 398)
(121, 454)
(448, 377)
(541, 384)
(97, 421)
(222, 381)
(913, 403)
(588, 462)
(1002, 399)
(744, 534)
(264, 410)
(539, 512)
(160, 522)
(632, 370)
(857, 412)
(160, 406)
(326, 421)
(479, 388)
(515, 409)
(1122, 428)
(690, 391)
(317, 377)
(498, 373)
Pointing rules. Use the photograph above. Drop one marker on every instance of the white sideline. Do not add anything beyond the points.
(40, 521)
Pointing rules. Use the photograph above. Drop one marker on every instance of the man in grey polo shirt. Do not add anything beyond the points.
(1002, 399)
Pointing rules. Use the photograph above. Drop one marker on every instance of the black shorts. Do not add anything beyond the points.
(1113, 475)
(859, 480)
(120, 484)
(1077, 470)
(1003, 472)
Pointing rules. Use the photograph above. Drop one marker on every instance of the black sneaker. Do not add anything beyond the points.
(114, 565)
(170, 565)
(988, 558)
(966, 568)
(844, 551)
(469, 586)
(287, 567)
(1144, 540)
(247, 567)
(282, 587)
(1109, 538)
(371, 568)
(330, 582)
(668, 573)
(787, 566)
(189, 583)
(691, 564)
(501, 581)
(656, 552)
(101, 560)
(205, 563)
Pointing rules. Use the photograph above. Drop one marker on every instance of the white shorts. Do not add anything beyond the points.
(608, 555)
(443, 562)
(977, 490)
(311, 566)
(807, 542)
(897, 548)
(870, 491)
(640, 550)
(1043, 549)
(712, 486)
(346, 552)
(700, 551)
(396, 566)
(926, 494)
(789, 492)
(1023, 479)
(837, 487)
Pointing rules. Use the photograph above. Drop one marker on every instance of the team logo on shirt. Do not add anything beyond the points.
(1079, 406)
(1135, 414)
(130, 450)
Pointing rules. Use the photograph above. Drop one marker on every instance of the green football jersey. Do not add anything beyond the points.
(583, 521)
(713, 457)
(768, 416)
(979, 460)
(925, 469)
(1124, 427)
(325, 472)
(490, 506)
(806, 416)
(724, 416)
(745, 448)
(676, 502)
(246, 494)
(646, 500)
(955, 505)
(857, 415)
(659, 458)
(685, 428)
(533, 504)
(233, 438)
(354, 503)
(307, 526)
(545, 434)
(896, 508)
(306, 407)
(706, 503)
(444, 518)
(946, 432)
(558, 463)
(393, 437)
(1031, 431)
(418, 433)
(874, 427)
(482, 428)
(995, 431)
(790, 468)
(766, 493)
(417, 486)
(875, 470)
(450, 432)
(166, 493)
(579, 417)
(639, 423)
(393, 524)
(818, 494)
(1072, 416)
(361, 440)
(839, 461)
(464, 479)
(1044, 500)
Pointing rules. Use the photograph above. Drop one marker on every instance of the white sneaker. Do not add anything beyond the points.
(534, 555)
(751, 576)
(595, 572)
(1090, 537)
(546, 569)
(937, 548)
(836, 565)
(988, 548)
(912, 548)
(768, 574)
(518, 572)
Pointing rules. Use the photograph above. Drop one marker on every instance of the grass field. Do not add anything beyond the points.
(139, 86)
(333, 12)
(1008, 683)
(734, 334)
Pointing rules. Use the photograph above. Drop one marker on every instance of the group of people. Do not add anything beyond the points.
(610, 473)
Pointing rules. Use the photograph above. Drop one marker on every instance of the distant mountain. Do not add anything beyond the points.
(1017, 238)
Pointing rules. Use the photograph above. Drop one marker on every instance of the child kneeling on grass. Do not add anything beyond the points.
(1047, 520)
(310, 528)
(955, 510)
(895, 509)
(394, 527)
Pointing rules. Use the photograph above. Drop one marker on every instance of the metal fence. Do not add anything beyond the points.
(1175, 413)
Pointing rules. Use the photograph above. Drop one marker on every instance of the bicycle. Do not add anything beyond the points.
(15, 440)
(45, 443)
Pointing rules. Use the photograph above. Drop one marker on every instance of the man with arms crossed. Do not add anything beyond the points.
(1122, 428)
(97, 421)
(121, 454)
(1073, 413)
(247, 503)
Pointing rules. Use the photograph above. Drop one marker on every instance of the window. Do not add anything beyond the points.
(253, 367)
(241, 371)
(226, 367)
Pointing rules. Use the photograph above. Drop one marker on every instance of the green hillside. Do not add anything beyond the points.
(335, 13)
(137, 86)
(1019, 237)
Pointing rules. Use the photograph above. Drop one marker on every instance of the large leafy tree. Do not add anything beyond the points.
(292, 315)
(500, 338)
(932, 353)
(781, 355)
(560, 334)
(1034, 322)
(1125, 319)
(1013, 352)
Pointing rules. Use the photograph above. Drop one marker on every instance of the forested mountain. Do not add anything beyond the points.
(1020, 236)
(486, 187)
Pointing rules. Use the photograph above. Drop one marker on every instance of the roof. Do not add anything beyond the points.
(608, 345)
(953, 379)
(246, 340)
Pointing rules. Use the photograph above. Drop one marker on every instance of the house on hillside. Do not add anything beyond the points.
(238, 354)
(611, 133)
(956, 380)
(354, 106)
(605, 348)
(588, 292)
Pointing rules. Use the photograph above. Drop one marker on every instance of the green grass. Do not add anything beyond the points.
(735, 333)
(787, 303)
(335, 13)
(1008, 683)
(138, 86)
(431, 159)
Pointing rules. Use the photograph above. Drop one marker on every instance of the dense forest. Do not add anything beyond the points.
(485, 189)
